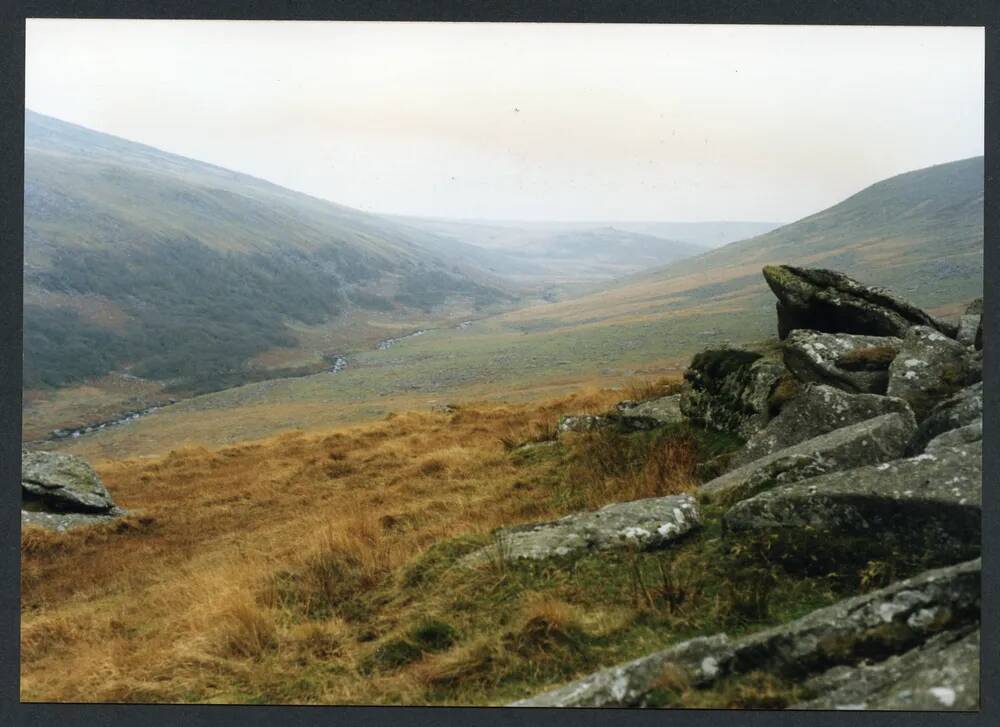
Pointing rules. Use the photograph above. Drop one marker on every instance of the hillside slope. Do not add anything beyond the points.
(919, 233)
(172, 269)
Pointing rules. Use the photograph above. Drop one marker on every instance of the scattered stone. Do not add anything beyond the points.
(581, 423)
(665, 410)
(959, 410)
(825, 300)
(930, 503)
(61, 491)
(729, 389)
(868, 442)
(641, 524)
(63, 483)
(818, 409)
(941, 674)
(444, 408)
(930, 367)
(854, 363)
(889, 621)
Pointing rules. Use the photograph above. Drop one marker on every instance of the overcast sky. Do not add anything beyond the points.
(528, 121)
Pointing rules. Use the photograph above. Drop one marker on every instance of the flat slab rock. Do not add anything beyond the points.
(855, 363)
(665, 410)
(60, 522)
(826, 300)
(641, 524)
(889, 621)
(930, 367)
(941, 674)
(817, 410)
(932, 500)
(868, 442)
(63, 482)
(594, 422)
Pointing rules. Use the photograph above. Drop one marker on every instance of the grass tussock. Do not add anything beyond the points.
(608, 465)
(247, 630)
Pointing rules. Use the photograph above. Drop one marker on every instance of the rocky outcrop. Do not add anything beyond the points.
(929, 504)
(868, 442)
(875, 626)
(942, 673)
(60, 491)
(930, 367)
(641, 525)
(825, 300)
(854, 363)
(958, 410)
(730, 390)
(816, 410)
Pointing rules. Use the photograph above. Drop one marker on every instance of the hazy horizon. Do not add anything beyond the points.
(528, 122)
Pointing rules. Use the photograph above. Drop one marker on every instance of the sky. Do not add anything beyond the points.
(528, 121)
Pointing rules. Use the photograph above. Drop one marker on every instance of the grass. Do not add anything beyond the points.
(324, 568)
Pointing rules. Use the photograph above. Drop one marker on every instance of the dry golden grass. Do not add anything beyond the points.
(646, 389)
(239, 566)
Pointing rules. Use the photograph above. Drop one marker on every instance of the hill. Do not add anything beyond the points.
(571, 253)
(920, 234)
(149, 263)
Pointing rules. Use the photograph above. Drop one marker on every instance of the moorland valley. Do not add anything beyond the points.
(280, 450)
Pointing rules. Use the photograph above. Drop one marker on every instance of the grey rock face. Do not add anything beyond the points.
(974, 308)
(958, 410)
(889, 621)
(729, 389)
(941, 674)
(931, 502)
(869, 442)
(63, 483)
(818, 409)
(854, 363)
(929, 368)
(665, 410)
(957, 437)
(825, 300)
(641, 524)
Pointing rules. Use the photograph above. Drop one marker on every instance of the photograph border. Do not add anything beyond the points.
(878, 12)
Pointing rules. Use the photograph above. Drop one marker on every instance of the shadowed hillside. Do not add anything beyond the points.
(176, 270)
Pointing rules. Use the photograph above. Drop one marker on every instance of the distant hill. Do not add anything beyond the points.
(173, 269)
(555, 252)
